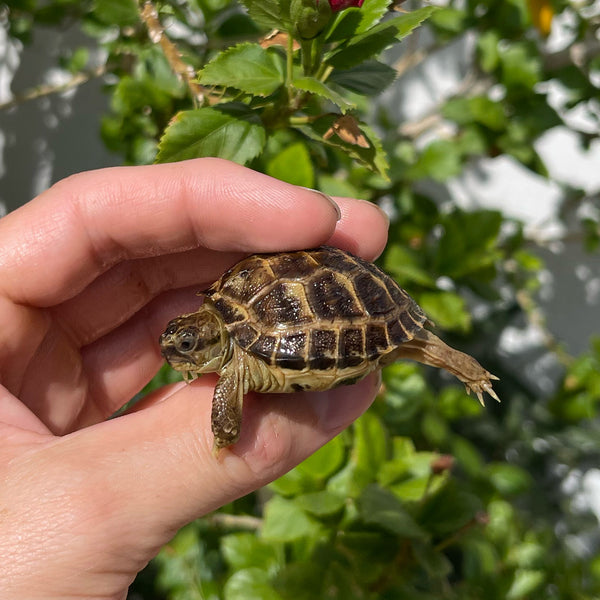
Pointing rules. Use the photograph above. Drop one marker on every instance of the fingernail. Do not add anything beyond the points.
(328, 198)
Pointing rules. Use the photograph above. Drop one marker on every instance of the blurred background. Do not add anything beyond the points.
(491, 128)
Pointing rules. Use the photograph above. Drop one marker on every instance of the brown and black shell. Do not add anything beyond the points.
(318, 309)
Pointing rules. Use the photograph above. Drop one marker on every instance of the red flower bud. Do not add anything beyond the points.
(337, 5)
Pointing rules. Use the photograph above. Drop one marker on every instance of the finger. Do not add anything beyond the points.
(14, 415)
(170, 444)
(87, 223)
(362, 230)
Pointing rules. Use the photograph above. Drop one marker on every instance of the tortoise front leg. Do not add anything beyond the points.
(226, 417)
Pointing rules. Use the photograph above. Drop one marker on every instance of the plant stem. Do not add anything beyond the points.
(289, 75)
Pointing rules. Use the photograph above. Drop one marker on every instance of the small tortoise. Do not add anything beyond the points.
(300, 321)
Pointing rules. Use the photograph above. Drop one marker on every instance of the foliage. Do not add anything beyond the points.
(428, 495)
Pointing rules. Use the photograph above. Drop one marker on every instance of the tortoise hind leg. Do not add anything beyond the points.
(428, 349)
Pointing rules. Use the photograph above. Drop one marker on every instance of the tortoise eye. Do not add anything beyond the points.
(186, 341)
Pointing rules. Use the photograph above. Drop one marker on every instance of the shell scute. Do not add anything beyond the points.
(377, 340)
(290, 266)
(291, 352)
(374, 295)
(352, 347)
(323, 349)
(264, 348)
(245, 280)
(330, 297)
(284, 304)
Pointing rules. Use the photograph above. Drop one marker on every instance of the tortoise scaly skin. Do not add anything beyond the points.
(303, 321)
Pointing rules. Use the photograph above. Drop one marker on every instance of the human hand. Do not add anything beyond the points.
(90, 273)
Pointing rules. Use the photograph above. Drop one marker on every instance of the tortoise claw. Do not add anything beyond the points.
(488, 388)
(479, 387)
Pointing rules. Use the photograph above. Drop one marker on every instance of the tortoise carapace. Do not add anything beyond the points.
(303, 321)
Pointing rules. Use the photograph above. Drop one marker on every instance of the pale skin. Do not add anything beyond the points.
(90, 273)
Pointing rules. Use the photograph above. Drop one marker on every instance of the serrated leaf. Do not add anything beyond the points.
(227, 131)
(369, 78)
(247, 67)
(314, 86)
(356, 20)
(370, 43)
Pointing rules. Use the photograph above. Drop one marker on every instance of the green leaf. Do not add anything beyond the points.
(228, 131)
(325, 461)
(314, 86)
(250, 584)
(447, 310)
(380, 507)
(371, 12)
(245, 550)
(479, 109)
(449, 19)
(370, 43)
(439, 161)
(322, 503)
(489, 55)
(272, 14)
(246, 67)
(525, 582)
(508, 479)
(293, 165)
(354, 20)
(403, 264)
(521, 65)
(117, 12)
(285, 521)
(449, 509)
(368, 454)
(369, 78)
(433, 561)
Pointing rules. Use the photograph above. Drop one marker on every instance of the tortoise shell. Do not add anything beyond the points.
(320, 309)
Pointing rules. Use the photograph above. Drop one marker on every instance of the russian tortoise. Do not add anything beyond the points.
(300, 321)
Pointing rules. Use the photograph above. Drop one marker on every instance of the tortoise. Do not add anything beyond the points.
(302, 321)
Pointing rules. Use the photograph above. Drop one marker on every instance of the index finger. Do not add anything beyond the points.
(85, 224)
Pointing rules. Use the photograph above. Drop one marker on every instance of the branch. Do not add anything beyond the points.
(234, 521)
(45, 89)
(157, 35)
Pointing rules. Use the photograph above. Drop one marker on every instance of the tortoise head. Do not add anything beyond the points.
(196, 343)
